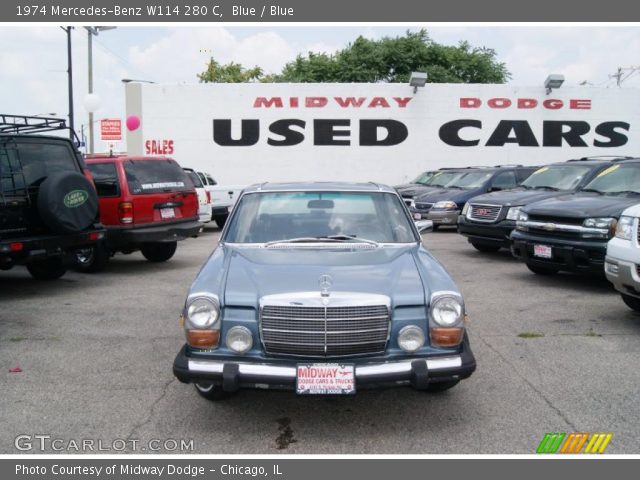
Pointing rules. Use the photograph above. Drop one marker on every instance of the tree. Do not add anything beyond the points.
(389, 59)
(229, 73)
(393, 59)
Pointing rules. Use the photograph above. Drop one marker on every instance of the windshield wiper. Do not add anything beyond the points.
(547, 187)
(329, 238)
(624, 192)
(591, 190)
(348, 238)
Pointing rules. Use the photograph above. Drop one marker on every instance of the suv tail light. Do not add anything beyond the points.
(125, 212)
(208, 196)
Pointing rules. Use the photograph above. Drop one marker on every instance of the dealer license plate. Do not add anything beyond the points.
(542, 251)
(167, 213)
(325, 379)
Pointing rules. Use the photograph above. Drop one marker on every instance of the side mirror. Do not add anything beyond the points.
(424, 226)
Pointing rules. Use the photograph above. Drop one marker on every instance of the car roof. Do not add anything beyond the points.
(320, 186)
(36, 136)
(102, 157)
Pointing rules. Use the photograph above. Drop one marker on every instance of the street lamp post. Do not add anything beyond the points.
(70, 81)
(91, 31)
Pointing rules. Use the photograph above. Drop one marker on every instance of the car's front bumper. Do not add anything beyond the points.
(571, 255)
(623, 275)
(438, 217)
(233, 374)
(487, 233)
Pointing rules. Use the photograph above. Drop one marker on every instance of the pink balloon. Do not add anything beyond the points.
(133, 122)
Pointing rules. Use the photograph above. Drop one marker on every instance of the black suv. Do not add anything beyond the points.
(443, 206)
(570, 232)
(427, 182)
(48, 203)
(488, 220)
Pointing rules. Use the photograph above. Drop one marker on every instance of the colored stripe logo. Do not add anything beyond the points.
(590, 443)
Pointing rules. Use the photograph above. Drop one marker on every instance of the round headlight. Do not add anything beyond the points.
(239, 339)
(446, 311)
(410, 338)
(202, 313)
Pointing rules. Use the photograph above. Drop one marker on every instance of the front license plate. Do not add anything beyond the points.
(325, 379)
(417, 216)
(542, 251)
(167, 213)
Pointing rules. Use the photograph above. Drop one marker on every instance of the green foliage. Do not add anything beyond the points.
(389, 59)
(229, 73)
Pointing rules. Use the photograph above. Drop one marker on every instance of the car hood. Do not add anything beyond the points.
(255, 272)
(515, 197)
(453, 194)
(413, 190)
(583, 205)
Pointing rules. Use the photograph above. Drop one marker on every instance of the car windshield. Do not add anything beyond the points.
(619, 178)
(263, 217)
(440, 179)
(423, 178)
(470, 180)
(557, 177)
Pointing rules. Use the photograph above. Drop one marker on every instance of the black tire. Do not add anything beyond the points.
(67, 202)
(484, 247)
(542, 270)
(435, 228)
(632, 302)
(49, 269)
(437, 387)
(92, 259)
(221, 220)
(211, 392)
(159, 252)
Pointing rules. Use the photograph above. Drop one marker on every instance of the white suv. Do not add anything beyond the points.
(622, 263)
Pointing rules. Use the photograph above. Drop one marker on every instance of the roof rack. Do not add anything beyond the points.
(25, 124)
(603, 157)
(509, 165)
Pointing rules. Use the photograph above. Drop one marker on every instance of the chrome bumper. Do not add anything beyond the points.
(232, 374)
(361, 372)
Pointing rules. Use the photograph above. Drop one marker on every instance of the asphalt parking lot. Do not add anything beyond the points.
(555, 354)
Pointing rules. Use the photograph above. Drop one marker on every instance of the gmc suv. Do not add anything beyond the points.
(488, 220)
(443, 206)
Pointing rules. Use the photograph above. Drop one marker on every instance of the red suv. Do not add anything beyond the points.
(146, 204)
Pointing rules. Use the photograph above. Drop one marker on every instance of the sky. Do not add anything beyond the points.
(33, 60)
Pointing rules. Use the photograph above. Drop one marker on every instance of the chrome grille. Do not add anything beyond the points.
(324, 331)
(423, 206)
(484, 213)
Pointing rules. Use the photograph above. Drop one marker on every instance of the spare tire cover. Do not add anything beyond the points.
(67, 202)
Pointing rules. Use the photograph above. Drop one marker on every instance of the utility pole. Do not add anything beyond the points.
(91, 31)
(620, 74)
(90, 77)
(70, 82)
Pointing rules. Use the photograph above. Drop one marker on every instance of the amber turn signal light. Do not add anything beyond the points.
(446, 337)
(203, 338)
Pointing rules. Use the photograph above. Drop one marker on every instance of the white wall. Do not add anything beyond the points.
(184, 115)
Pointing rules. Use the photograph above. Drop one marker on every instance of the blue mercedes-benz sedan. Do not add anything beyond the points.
(322, 288)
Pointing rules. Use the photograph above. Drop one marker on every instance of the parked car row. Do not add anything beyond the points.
(59, 209)
(576, 216)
